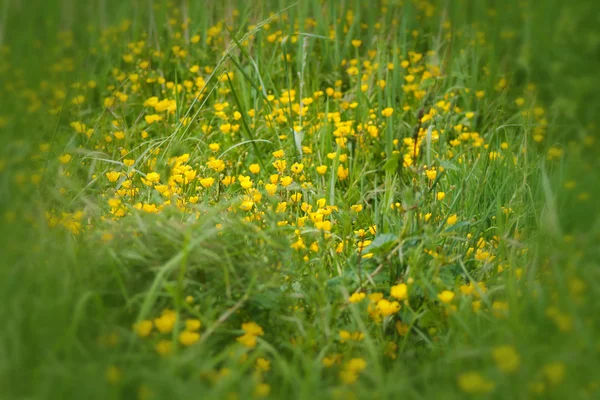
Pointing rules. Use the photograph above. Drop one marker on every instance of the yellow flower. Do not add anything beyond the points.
(357, 297)
(342, 173)
(296, 197)
(188, 338)
(119, 135)
(207, 182)
(150, 119)
(262, 364)
(431, 174)
(348, 377)
(286, 181)
(153, 177)
(65, 158)
(254, 168)
(356, 207)
(399, 291)
(402, 328)
(473, 383)
(446, 296)
(278, 154)
(143, 328)
(261, 390)
(506, 357)
(113, 176)
(271, 188)
(247, 340)
(296, 168)
(441, 196)
(280, 165)
(252, 328)
(452, 219)
(245, 181)
(387, 112)
(228, 180)
(192, 324)
(164, 347)
(247, 205)
(386, 307)
(350, 371)
(331, 360)
(322, 169)
(166, 321)
(356, 365)
(356, 43)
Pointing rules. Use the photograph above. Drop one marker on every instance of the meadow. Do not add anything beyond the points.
(312, 199)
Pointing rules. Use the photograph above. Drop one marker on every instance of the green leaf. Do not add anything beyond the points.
(381, 242)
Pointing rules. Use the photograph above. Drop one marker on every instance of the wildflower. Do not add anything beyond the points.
(254, 168)
(350, 371)
(286, 181)
(356, 336)
(446, 296)
(150, 208)
(166, 321)
(356, 208)
(296, 168)
(357, 297)
(280, 165)
(214, 147)
(143, 328)
(207, 182)
(321, 169)
(252, 330)
(356, 43)
(387, 112)
(331, 360)
(499, 308)
(473, 382)
(441, 196)
(245, 181)
(278, 154)
(452, 219)
(386, 307)
(247, 205)
(119, 135)
(65, 158)
(247, 340)
(431, 174)
(296, 197)
(150, 119)
(153, 177)
(271, 188)
(342, 173)
(506, 357)
(261, 390)
(399, 292)
(402, 328)
(390, 350)
(262, 364)
(113, 176)
(188, 338)
(192, 324)
(164, 347)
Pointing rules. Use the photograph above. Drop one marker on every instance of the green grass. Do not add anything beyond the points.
(477, 195)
